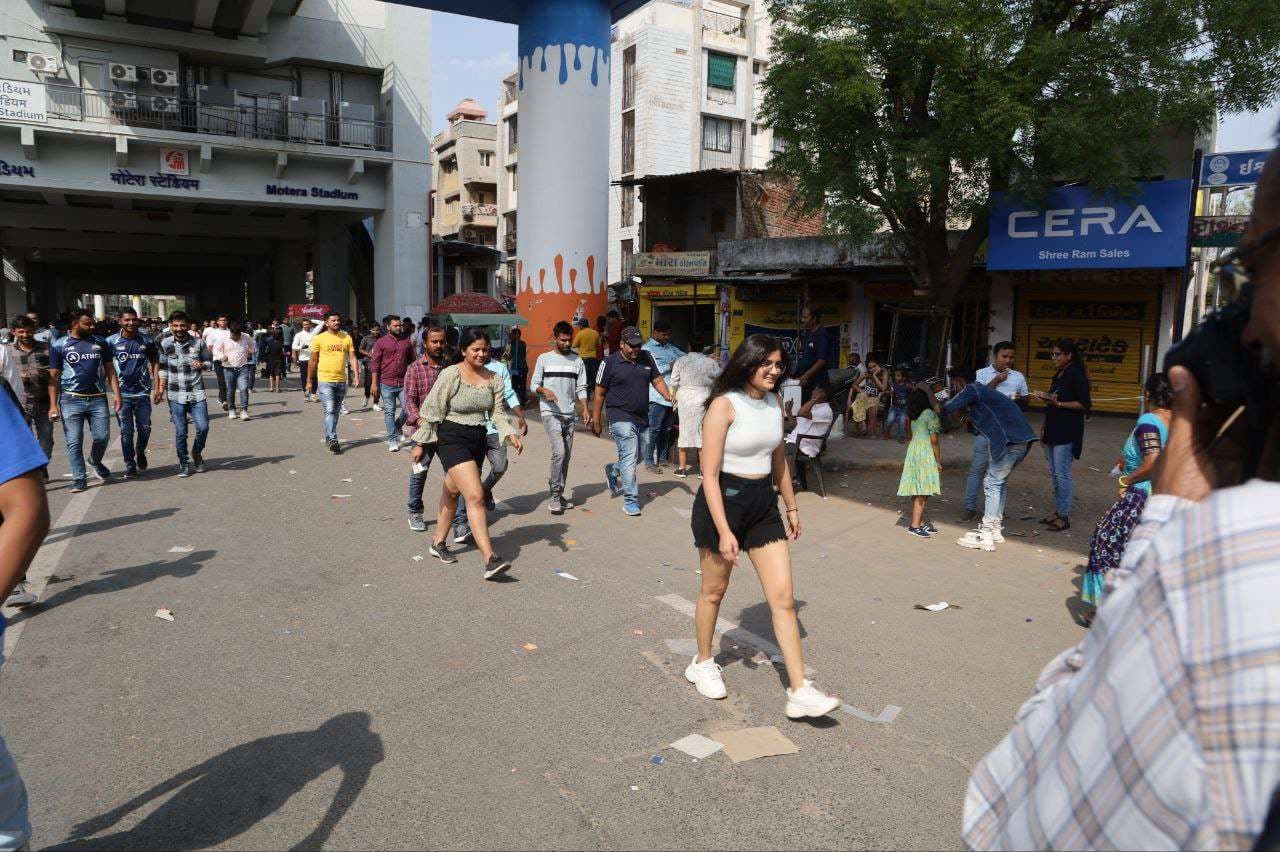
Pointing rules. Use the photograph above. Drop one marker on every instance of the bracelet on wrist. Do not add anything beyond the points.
(789, 511)
(1123, 480)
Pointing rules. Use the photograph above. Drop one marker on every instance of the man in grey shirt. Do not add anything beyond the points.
(560, 378)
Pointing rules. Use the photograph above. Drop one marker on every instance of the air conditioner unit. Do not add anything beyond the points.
(356, 125)
(122, 101)
(121, 73)
(164, 78)
(42, 63)
(307, 119)
(160, 103)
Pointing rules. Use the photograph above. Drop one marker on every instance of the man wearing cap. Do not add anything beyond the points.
(622, 390)
(665, 354)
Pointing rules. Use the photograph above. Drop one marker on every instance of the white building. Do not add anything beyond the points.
(508, 179)
(219, 150)
(685, 96)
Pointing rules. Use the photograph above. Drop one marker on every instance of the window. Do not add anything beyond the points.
(486, 158)
(722, 71)
(628, 265)
(717, 134)
(628, 206)
(758, 68)
(779, 144)
(511, 134)
(628, 142)
(629, 77)
(449, 166)
(755, 129)
(514, 186)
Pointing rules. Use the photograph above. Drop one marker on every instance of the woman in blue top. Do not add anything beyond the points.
(1137, 462)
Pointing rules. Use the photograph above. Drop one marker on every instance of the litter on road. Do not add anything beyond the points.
(657, 760)
(164, 614)
(697, 746)
(886, 717)
(639, 632)
(339, 496)
(529, 646)
(753, 743)
(566, 575)
(417, 558)
(182, 548)
(937, 607)
(571, 541)
(348, 479)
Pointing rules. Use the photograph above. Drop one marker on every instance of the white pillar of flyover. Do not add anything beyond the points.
(99, 307)
(136, 303)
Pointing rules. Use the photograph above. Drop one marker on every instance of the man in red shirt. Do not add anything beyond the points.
(418, 381)
(389, 360)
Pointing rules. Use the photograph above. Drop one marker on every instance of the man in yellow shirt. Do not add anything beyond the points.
(586, 342)
(332, 353)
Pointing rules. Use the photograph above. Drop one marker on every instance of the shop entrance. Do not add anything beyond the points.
(688, 321)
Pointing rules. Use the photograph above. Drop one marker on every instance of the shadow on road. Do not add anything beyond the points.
(119, 579)
(758, 619)
(230, 793)
(509, 542)
(108, 524)
(1081, 613)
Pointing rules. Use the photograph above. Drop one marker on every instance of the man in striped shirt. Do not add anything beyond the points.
(183, 360)
(560, 381)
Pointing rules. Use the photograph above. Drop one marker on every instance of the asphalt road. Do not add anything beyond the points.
(319, 686)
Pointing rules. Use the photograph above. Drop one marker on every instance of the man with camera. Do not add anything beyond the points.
(1160, 730)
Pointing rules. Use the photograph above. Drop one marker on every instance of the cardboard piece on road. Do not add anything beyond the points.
(753, 743)
(182, 548)
(165, 614)
(697, 746)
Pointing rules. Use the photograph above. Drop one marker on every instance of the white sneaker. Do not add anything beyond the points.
(706, 676)
(344, 410)
(377, 406)
(997, 534)
(979, 539)
(244, 414)
(808, 700)
(393, 446)
(20, 596)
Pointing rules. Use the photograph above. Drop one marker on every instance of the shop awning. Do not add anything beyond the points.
(504, 320)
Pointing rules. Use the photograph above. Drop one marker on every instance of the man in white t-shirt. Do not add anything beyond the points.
(302, 354)
(813, 418)
(214, 333)
(998, 375)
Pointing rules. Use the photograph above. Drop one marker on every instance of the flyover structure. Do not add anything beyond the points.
(564, 151)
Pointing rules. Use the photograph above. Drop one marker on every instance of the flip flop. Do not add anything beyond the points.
(1050, 519)
(1059, 525)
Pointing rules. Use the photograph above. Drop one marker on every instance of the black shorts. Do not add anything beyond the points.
(750, 507)
(458, 444)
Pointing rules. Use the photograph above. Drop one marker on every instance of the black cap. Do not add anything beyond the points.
(632, 336)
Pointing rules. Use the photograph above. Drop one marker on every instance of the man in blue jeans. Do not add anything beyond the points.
(80, 372)
(389, 360)
(135, 359)
(999, 375)
(622, 390)
(183, 360)
(1009, 436)
(661, 414)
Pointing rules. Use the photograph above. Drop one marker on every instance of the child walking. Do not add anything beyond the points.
(922, 469)
(896, 420)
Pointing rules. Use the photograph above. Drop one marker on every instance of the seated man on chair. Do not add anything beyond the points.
(812, 423)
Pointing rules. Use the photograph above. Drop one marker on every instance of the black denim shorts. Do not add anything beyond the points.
(458, 443)
(750, 507)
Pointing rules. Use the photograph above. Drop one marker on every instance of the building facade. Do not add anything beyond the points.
(465, 156)
(223, 152)
(508, 182)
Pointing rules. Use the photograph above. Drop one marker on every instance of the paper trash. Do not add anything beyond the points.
(937, 607)
(566, 575)
(181, 548)
(697, 746)
(165, 614)
(753, 743)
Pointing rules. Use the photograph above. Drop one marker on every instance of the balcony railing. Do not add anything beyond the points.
(722, 159)
(472, 210)
(161, 112)
(719, 22)
(509, 242)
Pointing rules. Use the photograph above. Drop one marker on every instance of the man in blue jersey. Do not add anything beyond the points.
(136, 359)
(81, 372)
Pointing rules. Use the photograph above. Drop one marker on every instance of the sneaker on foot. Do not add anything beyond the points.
(130, 472)
(335, 447)
(632, 508)
(417, 523)
(611, 477)
(462, 535)
(440, 551)
(566, 502)
(979, 539)
(20, 596)
(557, 508)
(496, 566)
(653, 468)
(184, 470)
(226, 406)
(101, 472)
(142, 461)
(244, 414)
(344, 409)
(919, 532)
(808, 700)
(393, 446)
(377, 406)
(997, 534)
(969, 515)
(930, 528)
(77, 487)
(682, 472)
(199, 460)
(490, 504)
(706, 676)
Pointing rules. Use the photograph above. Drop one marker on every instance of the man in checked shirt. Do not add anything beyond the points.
(1162, 729)
(183, 360)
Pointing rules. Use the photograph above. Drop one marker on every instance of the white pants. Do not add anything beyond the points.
(15, 828)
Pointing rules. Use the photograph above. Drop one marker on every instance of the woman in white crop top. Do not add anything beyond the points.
(737, 509)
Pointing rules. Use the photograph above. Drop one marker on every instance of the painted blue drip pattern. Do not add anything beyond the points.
(582, 24)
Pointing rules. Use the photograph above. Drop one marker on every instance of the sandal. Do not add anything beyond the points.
(1059, 524)
(1051, 519)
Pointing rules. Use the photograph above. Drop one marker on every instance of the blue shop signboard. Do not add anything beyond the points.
(1078, 229)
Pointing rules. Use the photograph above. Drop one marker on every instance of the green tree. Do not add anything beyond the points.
(913, 112)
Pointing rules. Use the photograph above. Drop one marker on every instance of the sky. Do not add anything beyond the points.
(469, 58)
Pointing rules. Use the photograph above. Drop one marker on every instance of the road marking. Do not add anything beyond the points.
(886, 717)
(48, 557)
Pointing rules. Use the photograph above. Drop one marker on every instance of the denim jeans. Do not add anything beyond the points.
(331, 396)
(366, 377)
(977, 470)
(660, 417)
(418, 481)
(1060, 457)
(220, 372)
(632, 442)
(76, 410)
(560, 431)
(43, 427)
(897, 417)
(392, 398)
(199, 412)
(15, 826)
(497, 458)
(238, 379)
(135, 412)
(995, 484)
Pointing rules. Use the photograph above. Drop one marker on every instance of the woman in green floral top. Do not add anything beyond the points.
(453, 418)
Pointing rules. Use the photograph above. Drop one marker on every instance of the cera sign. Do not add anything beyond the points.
(1080, 230)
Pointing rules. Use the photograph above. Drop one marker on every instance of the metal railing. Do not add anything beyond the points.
(722, 159)
(509, 241)
(479, 210)
(719, 22)
(164, 112)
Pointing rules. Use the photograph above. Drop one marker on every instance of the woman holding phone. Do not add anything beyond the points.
(744, 466)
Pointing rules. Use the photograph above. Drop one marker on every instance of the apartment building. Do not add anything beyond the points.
(508, 180)
(685, 95)
(466, 158)
(223, 151)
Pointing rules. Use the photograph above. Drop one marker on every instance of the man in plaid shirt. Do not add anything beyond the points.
(418, 380)
(1162, 729)
(33, 366)
(183, 360)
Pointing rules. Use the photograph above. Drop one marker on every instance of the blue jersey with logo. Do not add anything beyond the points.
(82, 362)
(134, 357)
